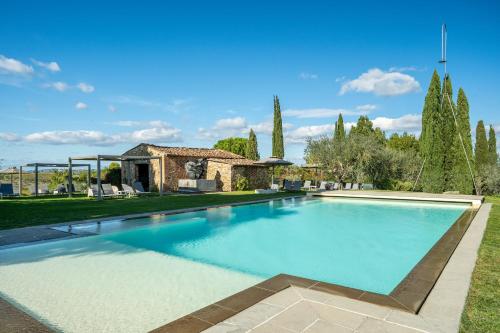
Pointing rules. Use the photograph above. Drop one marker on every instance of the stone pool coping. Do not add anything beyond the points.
(408, 296)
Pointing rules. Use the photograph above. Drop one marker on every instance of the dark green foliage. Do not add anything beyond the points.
(431, 139)
(252, 151)
(242, 183)
(278, 147)
(459, 178)
(339, 133)
(449, 132)
(492, 147)
(233, 145)
(404, 142)
(481, 150)
(112, 174)
(363, 127)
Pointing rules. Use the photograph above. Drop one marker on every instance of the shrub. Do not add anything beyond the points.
(241, 183)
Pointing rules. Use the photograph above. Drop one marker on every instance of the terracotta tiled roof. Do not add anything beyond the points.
(195, 152)
(236, 162)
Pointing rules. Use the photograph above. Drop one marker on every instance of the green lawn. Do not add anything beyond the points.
(482, 310)
(23, 212)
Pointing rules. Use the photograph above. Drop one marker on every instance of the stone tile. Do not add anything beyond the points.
(284, 298)
(312, 295)
(225, 328)
(254, 315)
(338, 317)
(296, 318)
(13, 320)
(213, 314)
(185, 324)
(270, 328)
(244, 299)
(383, 300)
(322, 326)
(361, 307)
(338, 290)
(410, 320)
(371, 325)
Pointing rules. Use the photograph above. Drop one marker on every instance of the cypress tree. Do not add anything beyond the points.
(492, 147)
(460, 179)
(449, 131)
(278, 148)
(481, 148)
(339, 134)
(252, 151)
(431, 139)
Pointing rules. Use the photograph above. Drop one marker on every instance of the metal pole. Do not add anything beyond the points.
(161, 175)
(99, 194)
(36, 179)
(21, 180)
(70, 178)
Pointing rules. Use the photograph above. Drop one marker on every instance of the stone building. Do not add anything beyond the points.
(222, 166)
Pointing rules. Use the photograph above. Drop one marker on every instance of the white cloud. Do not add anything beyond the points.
(59, 86)
(382, 83)
(230, 123)
(320, 113)
(13, 66)
(300, 134)
(366, 108)
(81, 106)
(308, 76)
(160, 134)
(51, 66)
(85, 87)
(409, 123)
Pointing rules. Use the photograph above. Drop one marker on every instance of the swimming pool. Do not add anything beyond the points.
(132, 279)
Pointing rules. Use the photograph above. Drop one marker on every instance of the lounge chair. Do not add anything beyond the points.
(347, 186)
(7, 190)
(322, 186)
(275, 187)
(355, 186)
(367, 186)
(336, 186)
(139, 189)
(307, 185)
(116, 191)
(128, 190)
(107, 190)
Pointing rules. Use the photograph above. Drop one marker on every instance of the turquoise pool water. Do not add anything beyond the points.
(140, 274)
(369, 245)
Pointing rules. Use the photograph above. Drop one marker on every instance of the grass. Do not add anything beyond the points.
(23, 212)
(482, 308)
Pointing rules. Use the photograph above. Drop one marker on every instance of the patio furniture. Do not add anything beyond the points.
(355, 186)
(139, 189)
(292, 185)
(128, 190)
(347, 186)
(107, 190)
(322, 186)
(272, 162)
(7, 190)
(275, 187)
(307, 185)
(367, 186)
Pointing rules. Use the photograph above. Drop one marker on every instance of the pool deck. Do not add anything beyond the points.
(292, 304)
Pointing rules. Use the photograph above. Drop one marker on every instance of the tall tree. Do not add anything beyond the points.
(278, 148)
(363, 127)
(481, 148)
(252, 151)
(459, 177)
(492, 147)
(233, 145)
(339, 133)
(431, 139)
(449, 131)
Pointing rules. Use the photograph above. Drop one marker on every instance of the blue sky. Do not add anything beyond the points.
(101, 77)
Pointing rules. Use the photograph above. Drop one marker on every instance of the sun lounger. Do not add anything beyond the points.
(275, 187)
(93, 191)
(107, 190)
(322, 186)
(128, 190)
(367, 186)
(139, 189)
(355, 186)
(307, 185)
(336, 186)
(347, 186)
(292, 185)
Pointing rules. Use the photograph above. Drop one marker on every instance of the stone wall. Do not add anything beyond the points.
(258, 177)
(129, 171)
(221, 172)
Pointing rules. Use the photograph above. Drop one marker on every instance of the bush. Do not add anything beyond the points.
(399, 185)
(241, 183)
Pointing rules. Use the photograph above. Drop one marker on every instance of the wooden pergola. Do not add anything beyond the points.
(38, 165)
(117, 158)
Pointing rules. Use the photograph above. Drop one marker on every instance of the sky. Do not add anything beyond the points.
(99, 77)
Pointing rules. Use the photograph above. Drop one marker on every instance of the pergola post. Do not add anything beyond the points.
(70, 178)
(36, 180)
(161, 175)
(89, 174)
(21, 180)
(99, 194)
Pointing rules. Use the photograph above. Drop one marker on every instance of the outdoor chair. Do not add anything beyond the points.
(367, 186)
(336, 186)
(275, 187)
(6, 190)
(347, 186)
(139, 189)
(117, 192)
(355, 186)
(107, 190)
(307, 185)
(322, 186)
(128, 190)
